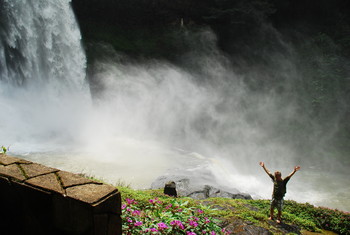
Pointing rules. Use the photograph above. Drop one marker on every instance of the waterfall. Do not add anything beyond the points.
(40, 43)
(42, 73)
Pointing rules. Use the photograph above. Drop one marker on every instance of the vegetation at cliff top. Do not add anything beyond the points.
(152, 212)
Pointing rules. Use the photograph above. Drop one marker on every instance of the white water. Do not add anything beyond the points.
(42, 73)
(148, 117)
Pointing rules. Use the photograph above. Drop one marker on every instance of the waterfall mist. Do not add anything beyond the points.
(144, 119)
(207, 114)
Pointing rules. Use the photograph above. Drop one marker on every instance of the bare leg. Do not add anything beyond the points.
(271, 212)
(279, 217)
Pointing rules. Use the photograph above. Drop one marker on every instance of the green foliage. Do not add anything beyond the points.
(4, 149)
(324, 218)
(144, 213)
(306, 216)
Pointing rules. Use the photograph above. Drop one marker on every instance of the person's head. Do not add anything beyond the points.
(278, 175)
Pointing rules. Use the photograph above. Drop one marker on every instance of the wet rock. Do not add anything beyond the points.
(285, 228)
(241, 227)
(195, 188)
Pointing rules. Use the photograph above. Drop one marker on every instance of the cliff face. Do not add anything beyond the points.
(235, 22)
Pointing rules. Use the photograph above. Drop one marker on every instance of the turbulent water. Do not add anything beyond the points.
(143, 119)
(42, 72)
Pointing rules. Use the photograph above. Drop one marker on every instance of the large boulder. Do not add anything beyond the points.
(190, 186)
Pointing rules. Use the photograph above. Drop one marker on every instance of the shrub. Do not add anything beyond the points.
(166, 217)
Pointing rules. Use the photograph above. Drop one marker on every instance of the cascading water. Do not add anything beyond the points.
(42, 70)
(40, 42)
(144, 117)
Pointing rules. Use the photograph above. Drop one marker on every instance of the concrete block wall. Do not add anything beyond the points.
(35, 199)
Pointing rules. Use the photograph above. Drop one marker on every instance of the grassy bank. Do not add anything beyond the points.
(152, 212)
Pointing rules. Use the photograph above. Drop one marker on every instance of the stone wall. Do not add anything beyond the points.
(35, 199)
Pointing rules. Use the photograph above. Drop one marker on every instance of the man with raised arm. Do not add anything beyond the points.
(279, 190)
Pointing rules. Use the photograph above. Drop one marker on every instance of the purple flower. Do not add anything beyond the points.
(154, 201)
(138, 223)
(136, 212)
(191, 233)
(177, 223)
(123, 206)
(162, 226)
(212, 233)
(199, 211)
(151, 230)
(193, 223)
(130, 201)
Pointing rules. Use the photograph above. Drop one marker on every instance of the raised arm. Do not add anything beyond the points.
(266, 170)
(296, 168)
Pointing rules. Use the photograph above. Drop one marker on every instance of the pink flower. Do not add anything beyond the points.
(191, 233)
(193, 223)
(151, 230)
(212, 233)
(136, 212)
(162, 226)
(199, 211)
(154, 201)
(138, 223)
(130, 201)
(123, 206)
(177, 223)
(195, 218)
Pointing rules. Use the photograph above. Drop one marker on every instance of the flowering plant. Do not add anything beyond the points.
(161, 217)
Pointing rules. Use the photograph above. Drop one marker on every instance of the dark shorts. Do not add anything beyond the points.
(277, 203)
